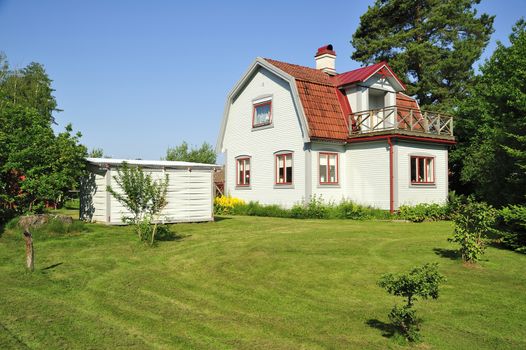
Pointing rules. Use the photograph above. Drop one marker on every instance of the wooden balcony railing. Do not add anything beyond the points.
(401, 118)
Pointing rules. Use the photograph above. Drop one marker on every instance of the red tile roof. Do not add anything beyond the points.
(319, 97)
(326, 107)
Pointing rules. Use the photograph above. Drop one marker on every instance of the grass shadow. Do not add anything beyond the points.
(170, 236)
(52, 266)
(388, 330)
(221, 218)
(451, 254)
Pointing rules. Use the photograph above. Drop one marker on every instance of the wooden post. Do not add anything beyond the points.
(30, 253)
(411, 119)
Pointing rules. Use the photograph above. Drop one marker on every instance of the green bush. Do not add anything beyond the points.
(315, 208)
(512, 227)
(312, 209)
(473, 223)
(420, 282)
(423, 212)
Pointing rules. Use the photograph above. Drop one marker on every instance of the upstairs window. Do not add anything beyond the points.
(422, 170)
(243, 171)
(262, 114)
(328, 168)
(284, 169)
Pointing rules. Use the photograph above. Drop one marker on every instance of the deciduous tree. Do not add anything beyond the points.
(204, 154)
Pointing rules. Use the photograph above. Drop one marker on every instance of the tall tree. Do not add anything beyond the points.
(431, 44)
(491, 128)
(183, 152)
(28, 87)
(37, 166)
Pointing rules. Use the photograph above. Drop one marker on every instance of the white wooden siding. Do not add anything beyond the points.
(369, 173)
(414, 194)
(189, 196)
(329, 192)
(260, 144)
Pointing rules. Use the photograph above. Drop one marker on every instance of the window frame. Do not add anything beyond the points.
(244, 159)
(327, 174)
(426, 160)
(254, 107)
(277, 156)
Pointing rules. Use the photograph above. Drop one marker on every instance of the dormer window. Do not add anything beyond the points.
(262, 113)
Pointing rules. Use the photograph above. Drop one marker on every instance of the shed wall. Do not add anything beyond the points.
(189, 196)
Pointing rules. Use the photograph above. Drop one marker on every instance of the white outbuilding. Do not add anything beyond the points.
(190, 193)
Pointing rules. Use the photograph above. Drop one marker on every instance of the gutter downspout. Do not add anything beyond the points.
(391, 176)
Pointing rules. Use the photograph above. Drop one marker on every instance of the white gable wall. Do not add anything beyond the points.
(260, 144)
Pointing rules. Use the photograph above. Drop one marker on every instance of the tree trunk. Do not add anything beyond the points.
(30, 253)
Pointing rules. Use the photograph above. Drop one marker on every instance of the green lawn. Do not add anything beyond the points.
(253, 283)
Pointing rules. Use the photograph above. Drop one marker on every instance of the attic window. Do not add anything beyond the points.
(262, 114)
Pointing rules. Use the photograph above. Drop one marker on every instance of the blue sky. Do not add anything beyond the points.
(138, 76)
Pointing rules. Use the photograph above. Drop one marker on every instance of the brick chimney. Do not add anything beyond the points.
(326, 59)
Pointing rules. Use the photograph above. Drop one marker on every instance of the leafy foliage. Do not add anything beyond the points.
(432, 44)
(424, 211)
(512, 227)
(490, 158)
(29, 87)
(315, 208)
(142, 196)
(421, 282)
(37, 167)
(473, 222)
(204, 154)
(96, 153)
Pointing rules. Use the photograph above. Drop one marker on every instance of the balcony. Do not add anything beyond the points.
(401, 120)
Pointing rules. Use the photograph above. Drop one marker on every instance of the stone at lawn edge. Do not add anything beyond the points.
(31, 221)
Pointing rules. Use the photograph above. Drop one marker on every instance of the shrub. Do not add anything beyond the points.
(314, 208)
(143, 197)
(420, 282)
(422, 212)
(512, 227)
(473, 222)
(224, 205)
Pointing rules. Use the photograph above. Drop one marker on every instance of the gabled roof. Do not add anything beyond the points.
(323, 107)
(364, 73)
(319, 97)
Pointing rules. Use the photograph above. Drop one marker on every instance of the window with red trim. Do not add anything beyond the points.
(262, 114)
(243, 171)
(328, 168)
(284, 169)
(422, 170)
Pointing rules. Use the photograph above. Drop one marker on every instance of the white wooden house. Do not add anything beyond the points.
(190, 192)
(290, 132)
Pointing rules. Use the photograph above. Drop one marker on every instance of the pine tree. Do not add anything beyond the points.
(431, 44)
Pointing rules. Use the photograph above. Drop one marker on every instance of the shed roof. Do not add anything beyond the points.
(150, 163)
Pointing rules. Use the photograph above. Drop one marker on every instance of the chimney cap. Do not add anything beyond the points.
(327, 49)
